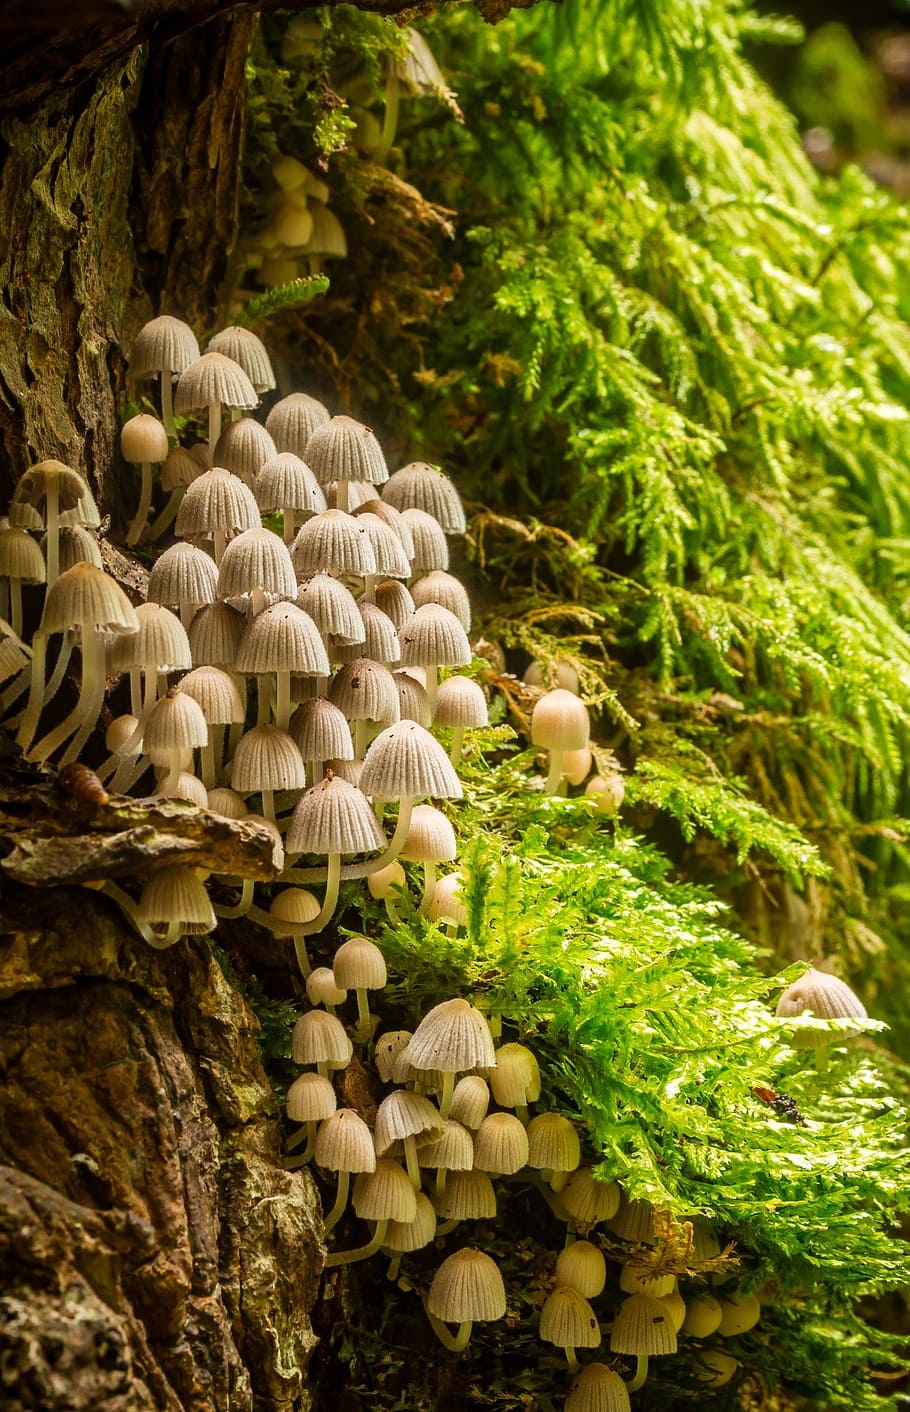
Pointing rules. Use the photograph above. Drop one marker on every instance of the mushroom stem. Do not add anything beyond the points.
(641, 1372)
(207, 763)
(288, 528)
(364, 1019)
(362, 1252)
(214, 427)
(303, 959)
(15, 606)
(445, 1098)
(360, 739)
(341, 1201)
(429, 887)
(282, 700)
(308, 1131)
(138, 523)
(168, 514)
(432, 687)
(219, 543)
(32, 712)
(440, 1184)
(554, 778)
(455, 1343)
(457, 741)
(355, 870)
(390, 116)
(572, 1360)
(243, 906)
(167, 404)
(394, 1266)
(411, 1162)
(342, 498)
(263, 700)
(84, 714)
(129, 910)
(60, 666)
(52, 516)
(821, 1059)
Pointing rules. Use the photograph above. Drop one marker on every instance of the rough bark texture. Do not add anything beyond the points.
(153, 1252)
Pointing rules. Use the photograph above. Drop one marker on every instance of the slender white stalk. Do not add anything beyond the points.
(167, 404)
(91, 695)
(138, 523)
(52, 552)
(32, 713)
(214, 426)
(167, 516)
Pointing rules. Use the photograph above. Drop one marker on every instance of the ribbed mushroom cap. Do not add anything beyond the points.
(446, 590)
(187, 787)
(738, 1313)
(332, 607)
(85, 596)
(143, 439)
(348, 770)
(335, 542)
(395, 601)
(501, 1144)
(413, 702)
(461, 702)
(327, 237)
(642, 1326)
(217, 500)
(359, 965)
(213, 378)
(516, 1079)
(311, 1099)
(179, 469)
(175, 894)
(293, 420)
(401, 1237)
(266, 758)
(174, 723)
(159, 645)
(385, 1194)
(431, 837)
(21, 557)
(244, 447)
(597, 1389)
(257, 559)
(32, 488)
(380, 640)
(216, 693)
(404, 1114)
(21, 515)
(587, 1199)
(582, 1267)
(470, 1101)
(824, 997)
(183, 574)
(419, 486)
(404, 761)
(84, 512)
(433, 637)
(227, 802)
(14, 653)
(215, 635)
(76, 545)
(453, 1149)
(387, 546)
(294, 904)
(321, 1038)
(635, 1278)
(364, 690)
(568, 1320)
(283, 638)
(285, 482)
(344, 1143)
(468, 1196)
(633, 1220)
(164, 343)
(452, 1037)
(388, 1047)
(321, 988)
(321, 731)
(343, 449)
(248, 352)
(391, 517)
(334, 817)
(431, 549)
(560, 721)
(467, 1286)
(553, 1143)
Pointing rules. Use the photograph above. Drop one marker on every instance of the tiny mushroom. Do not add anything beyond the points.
(568, 1320)
(466, 1287)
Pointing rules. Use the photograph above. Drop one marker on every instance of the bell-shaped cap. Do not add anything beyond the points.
(321, 1038)
(516, 1079)
(334, 817)
(642, 1325)
(175, 894)
(285, 482)
(76, 545)
(468, 1196)
(568, 1320)
(321, 988)
(386, 1050)
(560, 721)
(446, 590)
(243, 448)
(588, 1199)
(405, 761)
(227, 802)
(343, 449)
(327, 236)
(467, 1287)
(257, 559)
(419, 486)
(164, 344)
(85, 596)
(175, 724)
(380, 640)
(433, 637)
(359, 965)
(385, 1194)
(453, 1149)
(553, 1143)
(183, 574)
(266, 758)
(335, 542)
(633, 1220)
(213, 378)
(292, 421)
(187, 787)
(215, 633)
(321, 731)
(461, 702)
(283, 639)
(431, 549)
(430, 837)
(395, 601)
(822, 997)
(311, 1099)
(501, 1144)
(391, 517)
(21, 557)
(404, 1114)
(159, 645)
(332, 607)
(364, 690)
(387, 547)
(69, 485)
(248, 352)
(215, 691)
(597, 1388)
(582, 1267)
(293, 904)
(452, 1037)
(401, 1237)
(217, 500)
(143, 439)
(344, 1143)
(413, 702)
(470, 1101)
(179, 469)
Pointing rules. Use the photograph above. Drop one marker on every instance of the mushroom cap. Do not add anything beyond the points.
(453, 1149)
(516, 1079)
(215, 635)
(430, 838)
(226, 802)
(335, 542)
(568, 1320)
(401, 1237)
(21, 557)
(216, 500)
(703, 1316)
(321, 1038)
(588, 1199)
(501, 1144)
(257, 559)
(164, 344)
(285, 482)
(344, 1143)
(419, 486)
(85, 596)
(175, 894)
(387, 546)
(183, 574)
(70, 485)
(21, 515)
(387, 1048)
(553, 1143)
(84, 512)
(244, 447)
(292, 421)
(560, 721)
(445, 903)
(467, 1286)
(159, 645)
(248, 352)
(635, 1278)
(321, 988)
(738, 1313)
(821, 996)
(175, 723)
(395, 601)
(453, 1037)
(14, 653)
(413, 702)
(216, 693)
(332, 607)
(380, 640)
(470, 1101)
(461, 702)
(582, 1267)
(143, 439)
(213, 378)
(311, 1099)
(179, 468)
(327, 236)
(333, 817)
(321, 731)
(642, 1325)
(404, 1114)
(364, 690)
(76, 545)
(433, 637)
(714, 1367)
(188, 788)
(359, 965)
(431, 549)
(283, 638)
(391, 517)
(385, 1194)
(343, 449)
(406, 761)
(634, 1221)
(597, 1388)
(294, 904)
(440, 587)
(468, 1196)
(266, 758)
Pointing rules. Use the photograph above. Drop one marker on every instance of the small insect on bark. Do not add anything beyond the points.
(782, 1103)
(81, 784)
